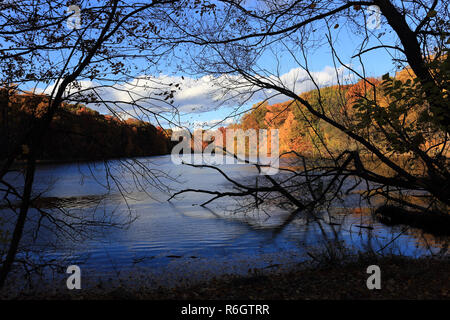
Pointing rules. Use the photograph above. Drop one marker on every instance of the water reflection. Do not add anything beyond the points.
(159, 232)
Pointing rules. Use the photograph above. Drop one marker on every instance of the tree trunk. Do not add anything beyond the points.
(411, 46)
(18, 230)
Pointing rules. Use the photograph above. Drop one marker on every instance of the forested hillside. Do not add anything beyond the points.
(76, 132)
(353, 105)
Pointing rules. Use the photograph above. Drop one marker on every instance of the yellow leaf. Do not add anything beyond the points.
(25, 149)
(432, 14)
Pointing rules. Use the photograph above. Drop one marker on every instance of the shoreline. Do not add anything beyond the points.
(401, 278)
(76, 161)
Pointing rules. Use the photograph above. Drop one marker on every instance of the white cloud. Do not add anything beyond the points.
(212, 123)
(204, 94)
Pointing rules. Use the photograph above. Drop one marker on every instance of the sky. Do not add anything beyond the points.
(197, 97)
(202, 103)
(376, 63)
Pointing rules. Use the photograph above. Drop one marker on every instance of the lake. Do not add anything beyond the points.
(181, 236)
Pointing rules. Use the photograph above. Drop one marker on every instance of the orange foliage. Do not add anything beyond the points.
(76, 132)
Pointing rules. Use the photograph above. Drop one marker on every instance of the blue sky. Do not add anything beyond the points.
(198, 103)
(376, 63)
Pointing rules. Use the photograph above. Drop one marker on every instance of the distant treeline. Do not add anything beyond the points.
(308, 134)
(76, 132)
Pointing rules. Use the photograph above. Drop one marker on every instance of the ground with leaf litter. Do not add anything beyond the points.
(401, 278)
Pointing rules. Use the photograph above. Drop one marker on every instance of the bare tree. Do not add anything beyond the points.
(398, 131)
(112, 43)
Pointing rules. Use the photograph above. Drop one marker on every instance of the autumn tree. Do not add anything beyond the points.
(397, 130)
(60, 53)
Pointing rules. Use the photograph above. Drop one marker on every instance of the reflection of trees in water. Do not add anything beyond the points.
(428, 242)
(54, 222)
(337, 232)
(410, 117)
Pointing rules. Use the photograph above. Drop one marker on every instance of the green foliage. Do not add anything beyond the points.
(401, 116)
(259, 113)
(256, 117)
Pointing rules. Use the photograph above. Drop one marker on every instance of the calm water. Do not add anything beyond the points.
(164, 233)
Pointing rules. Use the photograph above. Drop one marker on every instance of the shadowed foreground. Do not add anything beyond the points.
(401, 278)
